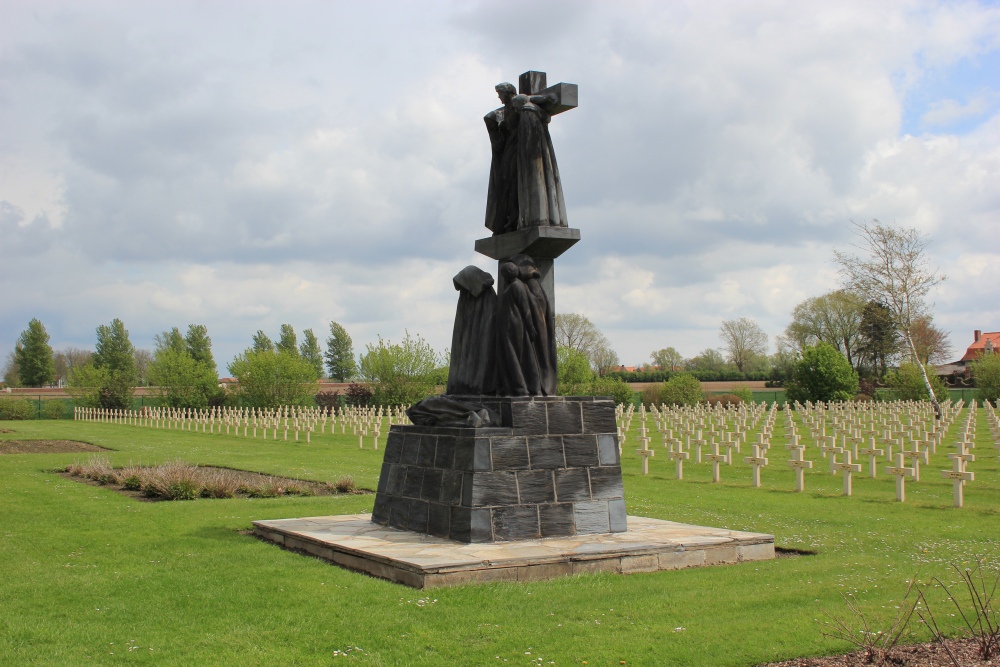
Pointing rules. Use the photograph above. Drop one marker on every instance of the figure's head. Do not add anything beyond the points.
(509, 271)
(527, 269)
(506, 91)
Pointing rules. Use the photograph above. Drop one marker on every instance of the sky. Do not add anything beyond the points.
(247, 164)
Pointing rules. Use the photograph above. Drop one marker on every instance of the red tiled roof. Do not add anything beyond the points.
(979, 346)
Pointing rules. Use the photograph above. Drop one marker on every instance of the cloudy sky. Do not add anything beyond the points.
(246, 164)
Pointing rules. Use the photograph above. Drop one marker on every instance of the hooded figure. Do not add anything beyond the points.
(472, 349)
(525, 333)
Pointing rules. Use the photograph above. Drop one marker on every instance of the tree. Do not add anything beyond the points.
(986, 371)
(783, 361)
(708, 359)
(823, 374)
(575, 374)
(143, 360)
(35, 365)
(199, 345)
(833, 318)
(340, 354)
(667, 359)
(576, 332)
(893, 270)
(10, 374)
(309, 350)
(261, 342)
(681, 389)
(908, 383)
(399, 374)
(69, 358)
(287, 341)
(269, 378)
(183, 381)
(172, 340)
(108, 379)
(931, 343)
(879, 339)
(743, 339)
(183, 368)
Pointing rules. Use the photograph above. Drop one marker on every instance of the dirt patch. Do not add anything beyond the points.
(917, 655)
(46, 447)
(5, 430)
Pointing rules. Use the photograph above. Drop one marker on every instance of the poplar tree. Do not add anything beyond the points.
(33, 355)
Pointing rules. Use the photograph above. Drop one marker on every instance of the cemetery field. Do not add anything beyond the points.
(91, 576)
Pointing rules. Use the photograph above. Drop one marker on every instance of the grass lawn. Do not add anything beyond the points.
(89, 576)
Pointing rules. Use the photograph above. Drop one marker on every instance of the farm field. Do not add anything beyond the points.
(91, 576)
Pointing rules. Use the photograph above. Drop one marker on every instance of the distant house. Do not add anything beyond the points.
(982, 343)
(625, 369)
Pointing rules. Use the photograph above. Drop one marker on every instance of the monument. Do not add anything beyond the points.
(501, 479)
(500, 456)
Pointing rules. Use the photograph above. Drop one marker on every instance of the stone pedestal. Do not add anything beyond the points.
(551, 469)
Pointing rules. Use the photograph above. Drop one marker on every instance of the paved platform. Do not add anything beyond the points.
(422, 561)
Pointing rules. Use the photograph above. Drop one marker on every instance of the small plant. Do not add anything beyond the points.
(865, 631)
(345, 485)
(52, 409)
(328, 399)
(724, 399)
(980, 618)
(359, 394)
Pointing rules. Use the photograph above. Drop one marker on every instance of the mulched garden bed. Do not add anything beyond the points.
(46, 447)
(966, 652)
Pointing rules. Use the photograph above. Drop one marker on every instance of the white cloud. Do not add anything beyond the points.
(182, 162)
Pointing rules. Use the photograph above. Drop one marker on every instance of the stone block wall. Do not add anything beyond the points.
(551, 469)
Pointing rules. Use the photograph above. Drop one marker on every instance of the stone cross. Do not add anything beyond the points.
(915, 457)
(848, 469)
(679, 456)
(959, 476)
(645, 453)
(873, 455)
(698, 443)
(799, 464)
(901, 472)
(757, 461)
(715, 457)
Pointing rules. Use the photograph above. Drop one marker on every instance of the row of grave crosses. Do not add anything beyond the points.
(856, 431)
(363, 421)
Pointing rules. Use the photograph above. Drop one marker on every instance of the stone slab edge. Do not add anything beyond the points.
(626, 560)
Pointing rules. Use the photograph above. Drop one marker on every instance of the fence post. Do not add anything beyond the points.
(39, 415)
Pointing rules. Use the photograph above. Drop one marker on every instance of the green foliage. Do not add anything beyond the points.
(35, 364)
(667, 359)
(268, 378)
(399, 374)
(309, 350)
(907, 382)
(339, 354)
(287, 342)
(744, 392)
(53, 409)
(199, 345)
(261, 342)
(183, 381)
(115, 359)
(822, 374)
(681, 389)
(15, 408)
(575, 375)
(616, 388)
(986, 371)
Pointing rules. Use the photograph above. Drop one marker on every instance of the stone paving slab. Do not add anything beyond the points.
(424, 561)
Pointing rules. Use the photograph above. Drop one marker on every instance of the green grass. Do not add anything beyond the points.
(89, 576)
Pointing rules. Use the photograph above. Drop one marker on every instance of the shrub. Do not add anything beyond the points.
(744, 392)
(16, 408)
(986, 372)
(822, 374)
(616, 388)
(908, 383)
(328, 399)
(359, 395)
(345, 485)
(52, 409)
(651, 395)
(681, 389)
